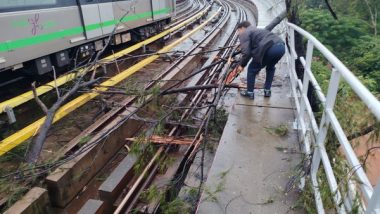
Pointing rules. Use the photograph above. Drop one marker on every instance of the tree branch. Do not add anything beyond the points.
(39, 102)
(38, 142)
(363, 132)
(373, 14)
(55, 82)
(331, 10)
(196, 88)
(276, 21)
(368, 153)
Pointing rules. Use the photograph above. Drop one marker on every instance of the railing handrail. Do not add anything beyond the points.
(365, 95)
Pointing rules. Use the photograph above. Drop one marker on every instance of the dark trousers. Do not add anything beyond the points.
(271, 57)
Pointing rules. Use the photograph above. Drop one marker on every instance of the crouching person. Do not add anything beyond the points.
(265, 49)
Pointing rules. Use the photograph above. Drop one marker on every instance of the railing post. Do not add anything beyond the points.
(305, 88)
(374, 203)
(324, 125)
(292, 71)
(292, 57)
(323, 129)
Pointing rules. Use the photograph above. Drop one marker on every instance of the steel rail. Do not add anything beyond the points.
(158, 154)
(198, 97)
(184, 8)
(188, 14)
(22, 135)
(214, 74)
(200, 3)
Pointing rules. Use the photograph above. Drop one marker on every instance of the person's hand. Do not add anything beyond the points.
(240, 68)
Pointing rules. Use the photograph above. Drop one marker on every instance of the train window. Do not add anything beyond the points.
(13, 4)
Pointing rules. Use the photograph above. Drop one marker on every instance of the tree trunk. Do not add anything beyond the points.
(293, 17)
(372, 9)
(37, 144)
(276, 21)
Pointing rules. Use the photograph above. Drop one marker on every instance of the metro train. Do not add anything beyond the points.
(38, 34)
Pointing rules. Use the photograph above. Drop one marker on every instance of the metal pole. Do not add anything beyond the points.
(374, 203)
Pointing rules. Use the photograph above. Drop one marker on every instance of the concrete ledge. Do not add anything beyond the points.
(35, 201)
(113, 185)
(92, 207)
(69, 179)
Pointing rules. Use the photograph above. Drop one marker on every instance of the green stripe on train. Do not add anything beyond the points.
(20, 43)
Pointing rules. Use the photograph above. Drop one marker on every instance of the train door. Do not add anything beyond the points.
(107, 16)
(98, 17)
(157, 6)
(91, 18)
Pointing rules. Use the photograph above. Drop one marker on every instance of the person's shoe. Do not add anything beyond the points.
(248, 94)
(267, 93)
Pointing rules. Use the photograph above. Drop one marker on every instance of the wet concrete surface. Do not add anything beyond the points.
(250, 171)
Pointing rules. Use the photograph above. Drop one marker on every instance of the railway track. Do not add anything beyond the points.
(214, 73)
(11, 79)
(188, 8)
(19, 137)
(197, 140)
(183, 6)
(75, 184)
(127, 203)
(192, 7)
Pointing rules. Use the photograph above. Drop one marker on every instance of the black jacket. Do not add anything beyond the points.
(254, 43)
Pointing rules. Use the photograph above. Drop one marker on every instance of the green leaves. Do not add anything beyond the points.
(351, 40)
(280, 130)
(366, 61)
(340, 34)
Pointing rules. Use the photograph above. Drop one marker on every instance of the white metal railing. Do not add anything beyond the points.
(314, 135)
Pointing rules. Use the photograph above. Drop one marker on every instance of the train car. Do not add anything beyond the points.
(37, 34)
